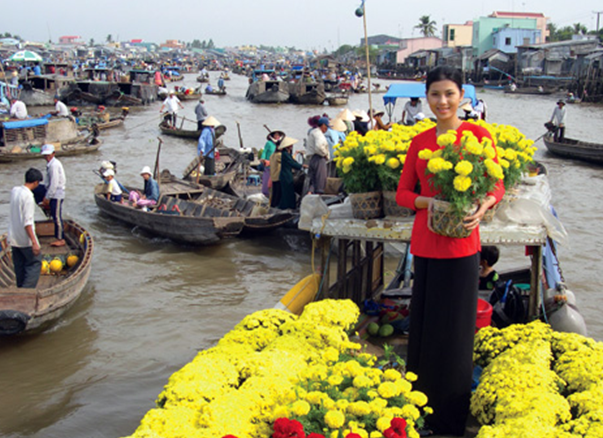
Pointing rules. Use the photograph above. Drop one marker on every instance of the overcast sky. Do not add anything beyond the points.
(307, 24)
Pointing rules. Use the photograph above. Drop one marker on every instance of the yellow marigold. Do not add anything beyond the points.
(384, 423)
(494, 169)
(463, 167)
(335, 380)
(404, 386)
(393, 163)
(328, 403)
(362, 381)
(300, 408)
(411, 377)
(380, 159)
(500, 152)
(388, 390)
(486, 142)
(346, 169)
(334, 419)
(315, 397)
(504, 163)
(359, 408)
(392, 374)
(474, 147)
(375, 434)
(436, 165)
(510, 154)
(370, 150)
(447, 139)
(428, 410)
(410, 412)
(425, 154)
(342, 404)
(347, 162)
(461, 183)
(489, 152)
(417, 398)
(402, 158)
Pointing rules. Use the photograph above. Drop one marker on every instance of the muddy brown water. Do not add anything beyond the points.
(151, 305)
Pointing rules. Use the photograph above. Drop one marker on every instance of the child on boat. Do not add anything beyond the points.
(487, 275)
(114, 193)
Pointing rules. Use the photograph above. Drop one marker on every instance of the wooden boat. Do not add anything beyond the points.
(307, 93)
(21, 134)
(84, 146)
(528, 90)
(102, 121)
(229, 171)
(203, 79)
(337, 100)
(216, 92)
(178, 132)
(27, 309)
(270, 91)
(579, 150)
(177, 219)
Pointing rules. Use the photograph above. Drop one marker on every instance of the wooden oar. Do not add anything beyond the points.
(156, 170)
(541, 136)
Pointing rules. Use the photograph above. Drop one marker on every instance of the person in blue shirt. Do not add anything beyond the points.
(221, 84)
(37, 70)
(206, 145)
(151, 191)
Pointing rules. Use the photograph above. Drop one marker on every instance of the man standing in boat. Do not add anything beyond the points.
(201, 114)
(55, 192)
(317, 148)
(171, 104)
(558, 119)
(206, 146)
(22, 238)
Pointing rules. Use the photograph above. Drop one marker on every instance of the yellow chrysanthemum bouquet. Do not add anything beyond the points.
(515, 151)
(374, 161)
(463, 172)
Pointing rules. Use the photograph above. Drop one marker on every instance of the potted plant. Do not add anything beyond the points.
(463, 172)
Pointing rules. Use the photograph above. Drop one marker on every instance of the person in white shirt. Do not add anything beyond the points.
(114, 193)
(317, 151)
(55, 192)
(171, 104)
(558, 118)
(18, 110)
(26, 252)
(61, 109)
(413, 111)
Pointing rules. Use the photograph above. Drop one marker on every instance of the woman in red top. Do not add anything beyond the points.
(446, 276)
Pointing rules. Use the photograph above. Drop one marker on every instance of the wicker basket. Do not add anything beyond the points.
(490, 213)
(443, 220)
(367, 205)
(391, 207)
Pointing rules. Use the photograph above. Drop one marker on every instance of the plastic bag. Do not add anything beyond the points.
(312, 206)
(341, 211)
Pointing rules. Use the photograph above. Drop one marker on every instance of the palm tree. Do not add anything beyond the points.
(580, 29)
(426, 25)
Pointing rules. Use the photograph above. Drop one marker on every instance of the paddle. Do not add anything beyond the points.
(156, 170)
(541, 136)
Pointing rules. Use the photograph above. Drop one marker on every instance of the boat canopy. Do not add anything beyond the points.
(29, 123)
(417, 89)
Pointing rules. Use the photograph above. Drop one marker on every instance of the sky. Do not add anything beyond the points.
(304, 24)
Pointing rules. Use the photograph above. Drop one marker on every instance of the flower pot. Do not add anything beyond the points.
(442, 219)
(391, 207)
(367, 205)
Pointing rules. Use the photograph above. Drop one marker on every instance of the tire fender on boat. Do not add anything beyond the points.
(12, 322)
(301, 294)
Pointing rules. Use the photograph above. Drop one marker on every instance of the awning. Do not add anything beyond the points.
(417, 89)
(29, 123)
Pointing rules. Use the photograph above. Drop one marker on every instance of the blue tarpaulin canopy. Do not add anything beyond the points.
(29, 123)
(417, 89)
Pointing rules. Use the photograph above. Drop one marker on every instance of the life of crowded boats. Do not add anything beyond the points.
(344, 181)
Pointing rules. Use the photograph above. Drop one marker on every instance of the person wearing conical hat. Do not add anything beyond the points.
(272, 141)
(206, 145)
(288, 164)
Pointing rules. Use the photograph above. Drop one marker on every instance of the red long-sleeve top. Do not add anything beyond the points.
(425, 243)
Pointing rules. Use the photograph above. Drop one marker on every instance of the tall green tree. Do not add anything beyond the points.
(91, 43)
(196, 44)
(580, 29)
(210, 44)
(426, 26)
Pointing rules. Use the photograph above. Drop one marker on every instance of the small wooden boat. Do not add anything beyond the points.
(225, 176)
(203, 79)
(84, 146)
(27, 309)
(178, 132)
(337, 100)
(579, 150)
(177, 219)
(216, 92)
(195, 95)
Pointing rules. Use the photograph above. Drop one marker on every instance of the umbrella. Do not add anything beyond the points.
(25, 55)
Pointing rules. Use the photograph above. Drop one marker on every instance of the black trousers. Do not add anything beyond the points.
(559, 134)
(27, 266)
(56, 212)
(210, 166)
(200, 125)
(275, 197)
(443, 311)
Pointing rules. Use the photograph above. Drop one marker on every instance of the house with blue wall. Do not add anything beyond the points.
(484, 27)
(506, 39)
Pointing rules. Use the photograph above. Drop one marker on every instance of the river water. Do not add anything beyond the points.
(151, 305)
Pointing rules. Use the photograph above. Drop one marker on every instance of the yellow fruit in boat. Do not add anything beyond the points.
(72, 260)
(45, 267)
(82, 238)
(56, 266)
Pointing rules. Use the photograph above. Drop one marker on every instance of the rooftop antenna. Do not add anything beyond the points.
(49, 36)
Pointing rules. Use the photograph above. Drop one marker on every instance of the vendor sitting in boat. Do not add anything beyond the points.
(151, 191)
(114, 193)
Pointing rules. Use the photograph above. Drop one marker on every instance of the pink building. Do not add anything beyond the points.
(69, 40)
(411, 45)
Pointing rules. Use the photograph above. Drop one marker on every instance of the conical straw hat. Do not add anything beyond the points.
(346, 114)
(211, 121)
(286, 142)
(339, 125)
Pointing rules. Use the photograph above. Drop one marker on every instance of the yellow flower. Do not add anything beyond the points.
(474, 147)
(463, 167)
(411, 377)
(489, 152)
(347, 162)
(436, 165)
(384, 423)
(380, 159)
(417, 398)
(461, 183)
(300, 408)
(393, 163)
(335, 380)
(362, 382)
(334, 419)
(510, 154)
(410, 412)
(392, 374)
(388, 390)
(425, 154)
(494, 169)
(447, 139)
(504, 163)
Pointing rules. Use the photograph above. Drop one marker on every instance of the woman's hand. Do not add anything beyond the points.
(472, 221)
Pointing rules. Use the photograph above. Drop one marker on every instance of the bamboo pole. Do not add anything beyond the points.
(368, 66)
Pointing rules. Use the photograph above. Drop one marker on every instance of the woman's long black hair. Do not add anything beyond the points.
(444, 73)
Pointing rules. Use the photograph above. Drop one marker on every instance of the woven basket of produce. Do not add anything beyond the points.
(392, 209)
(368, 205)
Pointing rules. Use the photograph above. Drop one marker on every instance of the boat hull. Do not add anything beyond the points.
(24, 310)
(579, 150)
(85, 146)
